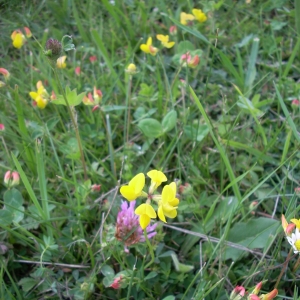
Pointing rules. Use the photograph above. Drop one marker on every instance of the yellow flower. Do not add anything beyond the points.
(146, 212)
(157, 177)
(148, 48)
(131, 69)
(186, 19)
(18, 39)
(60, 62)
(134, 188)
(40, 96)
(200, 16)
(168, 204)
(296, 222)
(165, 40)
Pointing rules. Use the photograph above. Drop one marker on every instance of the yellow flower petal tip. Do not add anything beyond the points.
(134, 188)
(199, 15)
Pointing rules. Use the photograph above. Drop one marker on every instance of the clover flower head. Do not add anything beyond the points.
(53, 49)
(61, 62)
(148, 48)
(134, 188)
(41, 96)
(186, 19)
(128, 229)
(199, 15)
(164, 39)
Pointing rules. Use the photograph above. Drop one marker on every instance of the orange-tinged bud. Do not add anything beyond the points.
(95, 108)
(257, 288)
(93, 58)
(27, 32)
(97, 95)
(284, 222)
(88, 100)
(11, 178)
(270, 295)
(290, 228)
(5, 73)
(53, 96)
(96, 187)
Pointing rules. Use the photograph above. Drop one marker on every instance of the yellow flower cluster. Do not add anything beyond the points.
(167, 202)
(197, 14)
(149, 49)
(41, 96)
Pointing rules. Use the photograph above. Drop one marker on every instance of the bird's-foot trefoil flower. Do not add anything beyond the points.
(199, 15)
(148, 48)
(168, 204)
(187, 60)
(294, 240)
(18, 39)
(157, 177)
(61, 62)
(164, 39)
(41, 96)
(287, 227)
(128, 229)
(134, 189)
(186, 19)
(146, 213)
(237, 293)
(131, 69)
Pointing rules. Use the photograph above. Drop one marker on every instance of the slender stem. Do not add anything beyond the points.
(151, 250)
(127, 116)
(283, 268)
(74, 124)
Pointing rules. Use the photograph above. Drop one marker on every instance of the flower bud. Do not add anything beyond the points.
(257, 288)
(116, 283)
(173, 30)
(270, 295)
(131, 69)
(237, 293)
(77, 71)
(295, 104)
(96, 187)
(5, 73)
(253, 297)
(2, 127)
(297, 191)
(93, 58)
(11, 178)
(53, 49)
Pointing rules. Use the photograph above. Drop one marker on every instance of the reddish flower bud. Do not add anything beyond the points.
(116, 284)
(5, 73)
(237, 293)
(77, 71)
(173, 30)
(27, 32)
(2, 127)
(93, 58)
(96, 187)
(11, 178)
(257, 288)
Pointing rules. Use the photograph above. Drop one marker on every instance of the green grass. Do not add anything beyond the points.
(229, 132)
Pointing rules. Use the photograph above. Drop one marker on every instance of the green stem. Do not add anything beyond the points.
(151, 250)
(74, 124)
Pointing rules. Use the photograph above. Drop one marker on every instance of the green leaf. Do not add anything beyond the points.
(67, 43)
(150, 127)
(12, 199)
(27, 283)
(252, 234)
(107, 270)
(196, 133)
(184, 47)
(248, 106)
(6, 217)
(72, 97)
(169, 121)
(170, 297)
(151, 275)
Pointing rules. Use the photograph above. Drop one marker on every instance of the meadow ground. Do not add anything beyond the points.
(149, 149)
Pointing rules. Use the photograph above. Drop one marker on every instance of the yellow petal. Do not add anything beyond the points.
(18, 40)
(200, 16)
(171, 214)
(169, 44)
(162, 38)
(145, 209)
(145, 48)
(149, 41)
(157, 176)
(138, 183)
(41, 102)
(144, 221)
(33, 95)
(160, 214)
(296, 222)
(168, 194)
(128, 192)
